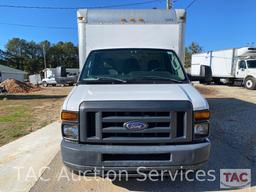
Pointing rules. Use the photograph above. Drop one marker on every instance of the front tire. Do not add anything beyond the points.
(250, 83)
(45, 84)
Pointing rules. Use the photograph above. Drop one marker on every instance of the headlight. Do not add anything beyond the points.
(201, 130)
(70, 131)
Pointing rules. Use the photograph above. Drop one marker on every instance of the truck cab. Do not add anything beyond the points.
(133, 105)
(246, 70)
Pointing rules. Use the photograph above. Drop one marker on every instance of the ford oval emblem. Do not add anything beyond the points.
(135, 125)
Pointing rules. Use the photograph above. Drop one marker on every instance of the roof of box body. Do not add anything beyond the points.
(130, 16)
(5, 69)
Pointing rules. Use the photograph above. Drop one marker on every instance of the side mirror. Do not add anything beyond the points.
(206, 73)
(191, 78)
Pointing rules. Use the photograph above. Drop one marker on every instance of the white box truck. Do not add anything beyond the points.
(231, 64)
(133, 105)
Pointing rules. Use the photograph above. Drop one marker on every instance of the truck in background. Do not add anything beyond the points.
(60, 75)
(63, 77)
(49, 77)
(35, 79)
(133, 105)
(232, 65)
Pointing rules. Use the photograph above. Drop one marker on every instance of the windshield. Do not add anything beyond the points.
(251, 64)
(132, 66)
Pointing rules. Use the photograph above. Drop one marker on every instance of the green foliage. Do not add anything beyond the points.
(192, 49)
(28, 55)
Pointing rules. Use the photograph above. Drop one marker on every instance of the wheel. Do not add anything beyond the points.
(201, 81)
(250, 83)
(216, 81)
(53, 85)
(205, 82)
(230, 82)
(44, 84)
(71, 84)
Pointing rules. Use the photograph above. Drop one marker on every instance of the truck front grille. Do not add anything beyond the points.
(167, 122)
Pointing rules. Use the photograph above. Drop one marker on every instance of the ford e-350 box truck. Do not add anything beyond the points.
(133, 105)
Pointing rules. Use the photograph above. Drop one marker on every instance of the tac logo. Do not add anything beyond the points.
(235, 178)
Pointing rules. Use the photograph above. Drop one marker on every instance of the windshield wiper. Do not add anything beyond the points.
(96, 78)
(161, 78)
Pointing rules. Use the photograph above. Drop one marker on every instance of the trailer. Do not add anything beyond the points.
(232, 65)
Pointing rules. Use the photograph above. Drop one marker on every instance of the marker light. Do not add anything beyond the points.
(201, 115)
(69, 116)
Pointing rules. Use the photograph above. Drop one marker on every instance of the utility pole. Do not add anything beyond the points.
(44, 54)
(169, 4)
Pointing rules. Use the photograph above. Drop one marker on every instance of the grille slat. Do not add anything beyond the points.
(124, 130)
(117, 119)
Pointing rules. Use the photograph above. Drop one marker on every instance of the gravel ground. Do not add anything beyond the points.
(233, 133)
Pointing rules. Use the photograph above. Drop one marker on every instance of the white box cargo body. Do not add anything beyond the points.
(221, 62)
(101, 29)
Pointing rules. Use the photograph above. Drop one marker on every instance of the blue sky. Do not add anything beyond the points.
(214, 24)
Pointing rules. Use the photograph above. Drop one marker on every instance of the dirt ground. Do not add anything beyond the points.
(21, 114)
(222, 91)
(233, 146)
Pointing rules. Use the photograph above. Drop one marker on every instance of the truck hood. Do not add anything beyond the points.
(137, 92)
(251, 72)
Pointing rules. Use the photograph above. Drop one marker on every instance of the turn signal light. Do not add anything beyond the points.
(69, 116)
(201, 115)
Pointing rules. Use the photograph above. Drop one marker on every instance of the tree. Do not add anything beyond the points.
(63, 54)
(28, 55)
(15, 49)
(191, 49)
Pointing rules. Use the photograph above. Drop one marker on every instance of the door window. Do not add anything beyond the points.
(242, 65)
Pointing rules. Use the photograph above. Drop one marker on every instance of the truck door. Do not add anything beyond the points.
(241, 70)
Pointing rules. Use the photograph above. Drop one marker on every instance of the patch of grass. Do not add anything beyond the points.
(20, 114)
(14, 113)
(14, 122)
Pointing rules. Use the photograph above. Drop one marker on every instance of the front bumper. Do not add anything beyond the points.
(84, 157)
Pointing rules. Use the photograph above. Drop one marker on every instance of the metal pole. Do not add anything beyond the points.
(44, 54)
(169, 4)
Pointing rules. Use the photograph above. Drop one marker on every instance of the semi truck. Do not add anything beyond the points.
(133, 105)
(232, 65)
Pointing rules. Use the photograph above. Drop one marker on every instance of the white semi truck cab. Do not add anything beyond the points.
(133, 105)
